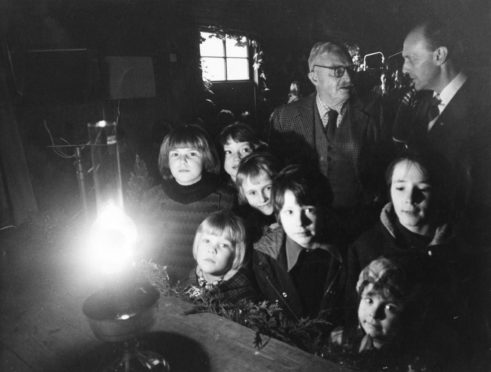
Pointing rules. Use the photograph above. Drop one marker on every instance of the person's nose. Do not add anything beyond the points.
(212, 248)
(264, 196)
(304, 219)
(378, 312)
(183, 158)
(408, 196)
(236, 157)
(346, 78)
(416, 196)
(405, 68)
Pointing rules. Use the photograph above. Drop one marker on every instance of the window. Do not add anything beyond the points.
(224, 58)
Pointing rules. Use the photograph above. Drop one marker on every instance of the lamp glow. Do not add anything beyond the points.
(112, 238)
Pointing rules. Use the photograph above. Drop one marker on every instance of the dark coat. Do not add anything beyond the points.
(442, 266)
(239, 287)
(276, 284)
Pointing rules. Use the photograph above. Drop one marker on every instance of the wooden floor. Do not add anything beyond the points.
(44, 282)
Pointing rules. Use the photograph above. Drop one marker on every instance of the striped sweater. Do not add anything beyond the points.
(170, 215)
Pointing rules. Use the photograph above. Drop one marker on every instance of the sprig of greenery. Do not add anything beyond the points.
(265, 318)
(139, 182)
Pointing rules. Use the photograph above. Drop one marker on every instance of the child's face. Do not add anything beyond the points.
(298, 221)
(186, 165)
(234, 152)
(410, 192)
(257, 191)
(378, 315)
(215, 254)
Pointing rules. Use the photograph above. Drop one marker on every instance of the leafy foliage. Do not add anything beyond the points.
(139, 182)
(265, 318)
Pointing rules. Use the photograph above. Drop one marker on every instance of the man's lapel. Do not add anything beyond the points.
(357, 119)
(455, 114)
(306, 118)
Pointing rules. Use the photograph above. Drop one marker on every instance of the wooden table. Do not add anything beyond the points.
(43, 328)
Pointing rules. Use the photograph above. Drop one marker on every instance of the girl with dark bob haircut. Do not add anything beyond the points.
(188, 192)
(191, 136)
(237, 140)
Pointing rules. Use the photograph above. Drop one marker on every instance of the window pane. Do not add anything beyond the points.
(237, 69)
(213, 68)
(211, 46)
(234, 50)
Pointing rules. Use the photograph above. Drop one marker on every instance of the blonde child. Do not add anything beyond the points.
(219, 251)
(254, 183)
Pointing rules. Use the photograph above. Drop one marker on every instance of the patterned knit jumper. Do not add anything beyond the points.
(172, 214)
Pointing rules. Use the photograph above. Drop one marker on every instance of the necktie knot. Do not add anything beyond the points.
(434, 110)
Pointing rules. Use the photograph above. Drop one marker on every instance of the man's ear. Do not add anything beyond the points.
(313, 77)
(440, 55)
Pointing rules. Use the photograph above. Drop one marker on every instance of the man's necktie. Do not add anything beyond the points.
(332, 118)
(434, 110)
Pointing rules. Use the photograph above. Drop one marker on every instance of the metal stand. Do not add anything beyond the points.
(136, 360)
(79, 169)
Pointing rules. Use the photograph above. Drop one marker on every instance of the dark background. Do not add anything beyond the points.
(68, 86)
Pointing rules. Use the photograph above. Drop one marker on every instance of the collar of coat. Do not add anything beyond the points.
(387, 217)
(271, 244)
(353, 106)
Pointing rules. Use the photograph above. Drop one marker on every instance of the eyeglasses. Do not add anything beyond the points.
(338, 71)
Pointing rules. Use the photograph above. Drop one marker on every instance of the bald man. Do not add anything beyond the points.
(450, 115)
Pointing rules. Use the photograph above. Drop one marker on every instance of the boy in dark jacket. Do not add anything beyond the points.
(295, 265)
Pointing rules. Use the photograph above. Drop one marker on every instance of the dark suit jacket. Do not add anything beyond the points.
(292, 136)
(461, 136)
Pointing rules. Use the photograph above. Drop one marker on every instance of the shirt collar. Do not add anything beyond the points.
(321, 106)
(451, 89)
(293, 251)
(323, 109)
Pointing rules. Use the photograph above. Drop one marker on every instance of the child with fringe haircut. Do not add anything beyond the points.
(237, 140)
(254, 183)
(392, 332)
(189, 191)
(296, 264)
(219, 250)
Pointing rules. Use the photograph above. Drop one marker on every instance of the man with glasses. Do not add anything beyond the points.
(338, 132)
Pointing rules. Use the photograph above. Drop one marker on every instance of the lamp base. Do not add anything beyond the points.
(136, 360)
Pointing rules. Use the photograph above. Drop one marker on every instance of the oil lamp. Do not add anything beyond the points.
(124, 309)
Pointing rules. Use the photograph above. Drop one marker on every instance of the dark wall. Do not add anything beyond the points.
(168, 32)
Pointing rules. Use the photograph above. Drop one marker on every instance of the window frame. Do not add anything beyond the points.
(225, 58)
